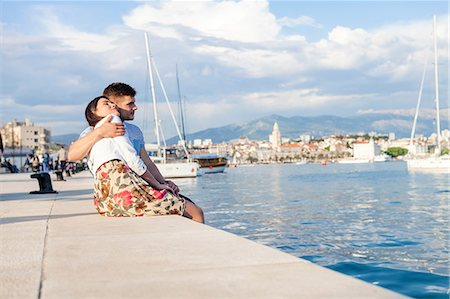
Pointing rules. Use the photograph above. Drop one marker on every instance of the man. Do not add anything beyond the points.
(45, 162)
(123, 96)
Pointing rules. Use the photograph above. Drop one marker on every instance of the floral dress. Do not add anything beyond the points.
(119, 191)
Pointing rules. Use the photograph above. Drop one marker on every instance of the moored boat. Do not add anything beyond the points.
(172, 166)
(169, 168)
(176, 168)
(429, 161)
(441, 163)
(210, 163)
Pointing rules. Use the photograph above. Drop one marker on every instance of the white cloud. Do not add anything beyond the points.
(393, 51)
(69, 37)
(73, 81)
(302, 20)
(296, 99)
(248, 25)
(207, 71)
(243, 21)
(426, 113)
(236, 63)
(7, 101)
(254, 62)
(61, 119)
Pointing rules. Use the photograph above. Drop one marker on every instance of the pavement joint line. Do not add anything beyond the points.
(41, 277)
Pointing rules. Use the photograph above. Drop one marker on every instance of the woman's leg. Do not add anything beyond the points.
(193, 212)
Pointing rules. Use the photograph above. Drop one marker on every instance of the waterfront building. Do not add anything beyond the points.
(220, 149)
(25, 135)
(445, 135)
(264, 155)
(305, 138)
(197, 143)
(291, 148)
(200, 144)
(207, 142)
(181, 143)
(366, 150)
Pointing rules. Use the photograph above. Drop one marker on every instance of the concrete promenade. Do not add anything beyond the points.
(57, 246)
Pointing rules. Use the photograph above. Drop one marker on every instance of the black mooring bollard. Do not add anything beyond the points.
(45, 183)
(59, 175)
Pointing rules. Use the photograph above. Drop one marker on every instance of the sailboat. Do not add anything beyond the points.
(175, 168)
(180, 107)
(209, 163)
(429, 162)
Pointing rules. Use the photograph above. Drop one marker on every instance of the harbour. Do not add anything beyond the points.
(56, 245)
(376, 221)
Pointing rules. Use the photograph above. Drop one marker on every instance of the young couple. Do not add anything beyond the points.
(127, 182)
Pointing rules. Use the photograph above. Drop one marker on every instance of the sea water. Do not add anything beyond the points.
(376, 222)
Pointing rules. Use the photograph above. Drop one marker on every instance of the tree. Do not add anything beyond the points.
(252, 159)
(394, 152)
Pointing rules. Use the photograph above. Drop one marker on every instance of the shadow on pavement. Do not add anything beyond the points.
(61, 195)
(10, 220)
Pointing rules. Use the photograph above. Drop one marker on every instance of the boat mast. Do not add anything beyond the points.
(170, 108)
(152, 86)
(413, 131)
(436, 82)
(180, 101)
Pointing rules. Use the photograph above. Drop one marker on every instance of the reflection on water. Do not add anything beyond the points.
(376, 215)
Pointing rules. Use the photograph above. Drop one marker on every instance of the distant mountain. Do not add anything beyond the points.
(318, 126)
(65, 139)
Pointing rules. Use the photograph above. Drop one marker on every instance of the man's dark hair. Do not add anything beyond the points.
(89, 113)
(119, 89)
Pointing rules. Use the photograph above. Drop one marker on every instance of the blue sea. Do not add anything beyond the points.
(376, 222)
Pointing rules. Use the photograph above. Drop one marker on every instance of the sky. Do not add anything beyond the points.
(237, 60)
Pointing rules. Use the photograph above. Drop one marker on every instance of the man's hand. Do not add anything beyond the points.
(111, 130)
(173, 186)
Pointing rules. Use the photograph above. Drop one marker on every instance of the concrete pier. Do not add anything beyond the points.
(57, 246)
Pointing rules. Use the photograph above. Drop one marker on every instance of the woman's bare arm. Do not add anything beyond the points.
(81, 148)
(151, 166)
(155, 171)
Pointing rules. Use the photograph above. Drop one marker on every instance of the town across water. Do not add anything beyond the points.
(374, 221)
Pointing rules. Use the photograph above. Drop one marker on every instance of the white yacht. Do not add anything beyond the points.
(441, 163)
(175, 168)
(429, 161)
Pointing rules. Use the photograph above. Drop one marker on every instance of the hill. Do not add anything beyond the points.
(65, 139)
(323, 125)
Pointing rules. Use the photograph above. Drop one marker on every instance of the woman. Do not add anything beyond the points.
(35, 165)
(123, 185)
